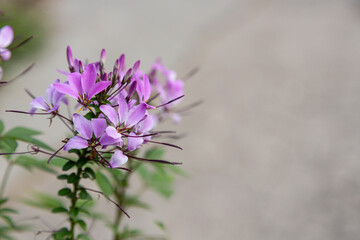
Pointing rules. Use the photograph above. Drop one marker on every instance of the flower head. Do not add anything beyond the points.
(83, 86)
(52, 101)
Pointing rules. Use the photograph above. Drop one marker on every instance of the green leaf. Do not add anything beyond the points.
(1, 126)
(83, 236)
(155, 153)
(44, 201)
(162, 183)
(178, 170)
(82, 224)
(7, 210)
(61, 234)
(8, 220)
(68, 165)
(29, 163)
(90, 172)
(81, 162)
(160, 225)
(8, 144)
(3, 201)
(25, 135)
(59, 210)
(104, 183)
(74, 212)
(58, 162)
(64, 192)
(63, 177)
(135, 202)
(84, 195)
(73, 178)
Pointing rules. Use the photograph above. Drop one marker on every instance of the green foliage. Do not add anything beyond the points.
(104, 183)
(68, 165)
(25, 134)
(2, 126)
(156, 175)
(64, 192)
(29, 163)
(44, 201)
(161, 225)
(62, 234)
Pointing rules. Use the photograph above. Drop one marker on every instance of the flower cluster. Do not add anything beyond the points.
(6, 38)
(118, 106)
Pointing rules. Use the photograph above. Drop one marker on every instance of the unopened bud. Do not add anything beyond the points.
(103, 56)
(69, 57)
(136, 66)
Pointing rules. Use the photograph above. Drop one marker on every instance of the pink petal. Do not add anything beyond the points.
(111, 131)
(88, 79)
(98, 87)
(6, 36)
(134, 142)
(111, 113)
(76, 143)
(106, 140)
(118, 159)
(137, 114)
(75, 82)
(99, 125)
(5, 54)
(83, 126)
(39, 103)
(147, 88)
(147, 124)
(122, 109)
(66, 89)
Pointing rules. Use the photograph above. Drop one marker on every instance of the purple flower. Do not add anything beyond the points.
(173, 87)
(92, 133)
(124, 118)
(118, 159)
(143, 89)
(135, 140)
(6, 38)
(52, 101)
(83, 86)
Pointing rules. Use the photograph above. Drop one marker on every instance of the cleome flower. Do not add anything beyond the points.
(6, 38)
(82, 86)
(124, 118)
(52, 101)
(92, 134)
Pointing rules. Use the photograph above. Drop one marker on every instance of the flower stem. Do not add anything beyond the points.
(120, 194)
(74, 199)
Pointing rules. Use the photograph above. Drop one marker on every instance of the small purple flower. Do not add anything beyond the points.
(83, 86)
(143, 89)
(92, 133)
(6, 38)
(52, 101)
(124, 118)
(118, 159)
(135, 140)
(173, 87)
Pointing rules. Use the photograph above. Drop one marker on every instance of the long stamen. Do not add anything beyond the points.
(166, 144)
(173, 100)
(153, 160)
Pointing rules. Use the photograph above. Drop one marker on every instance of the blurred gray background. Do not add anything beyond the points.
(273, 152)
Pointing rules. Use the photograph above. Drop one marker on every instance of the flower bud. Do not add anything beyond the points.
(70, 58)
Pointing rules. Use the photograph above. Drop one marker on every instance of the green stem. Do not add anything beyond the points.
(5, 178)
(74, 199)
(120, 193)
